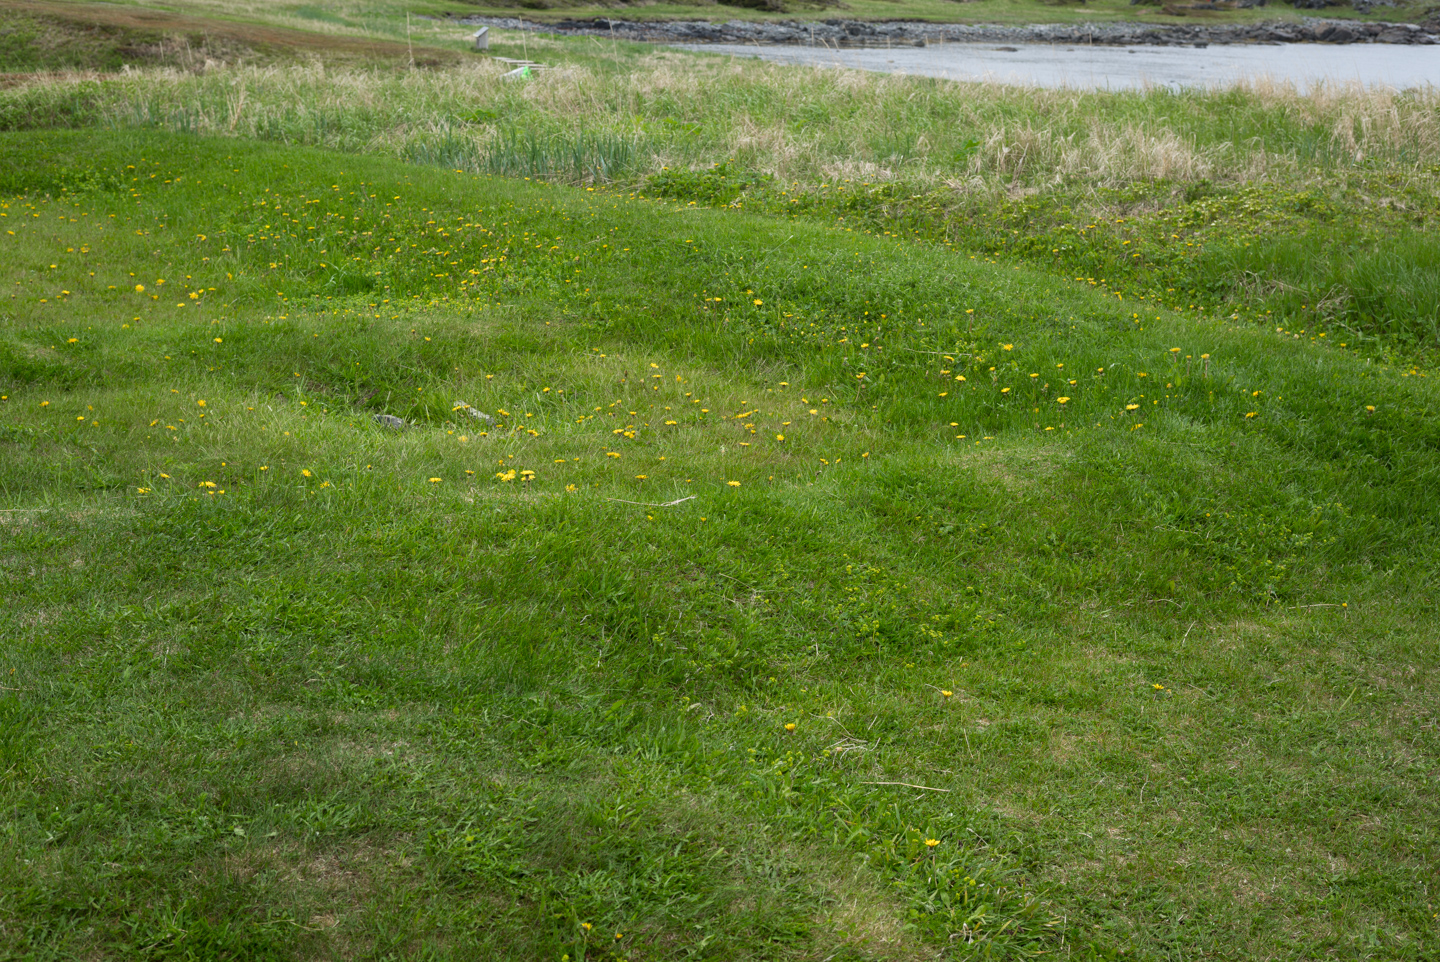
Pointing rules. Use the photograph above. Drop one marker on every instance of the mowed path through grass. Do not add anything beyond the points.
(800, 594)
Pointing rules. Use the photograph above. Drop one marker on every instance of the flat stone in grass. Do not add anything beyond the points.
(477, 415)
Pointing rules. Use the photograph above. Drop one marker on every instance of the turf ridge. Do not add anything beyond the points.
(778, 558)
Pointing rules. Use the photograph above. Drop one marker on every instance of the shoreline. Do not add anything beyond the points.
(864, 33)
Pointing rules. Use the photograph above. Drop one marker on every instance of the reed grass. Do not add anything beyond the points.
(799, 123)
(812, 124)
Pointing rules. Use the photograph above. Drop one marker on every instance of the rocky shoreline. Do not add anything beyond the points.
(864, 33)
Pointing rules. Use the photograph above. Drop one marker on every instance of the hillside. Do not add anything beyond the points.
(429, 531)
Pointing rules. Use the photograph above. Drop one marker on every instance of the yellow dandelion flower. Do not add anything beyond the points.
(789, 726)
(931, 842)
(1132, 407)
(733, 484)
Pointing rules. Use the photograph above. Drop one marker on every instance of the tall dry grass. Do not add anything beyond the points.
(797, 124)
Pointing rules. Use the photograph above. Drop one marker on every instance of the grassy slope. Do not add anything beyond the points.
(107, 37)
(281, 683)
(386, 17)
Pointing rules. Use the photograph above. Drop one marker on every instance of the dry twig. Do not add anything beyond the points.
(923, 788)
(650, 504)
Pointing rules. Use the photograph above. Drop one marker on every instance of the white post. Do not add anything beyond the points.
(482, 38)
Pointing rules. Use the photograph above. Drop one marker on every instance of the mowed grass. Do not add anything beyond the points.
(781, 553)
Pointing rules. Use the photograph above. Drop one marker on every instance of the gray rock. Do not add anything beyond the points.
(860, 33)
(463, 408)
(389, 421)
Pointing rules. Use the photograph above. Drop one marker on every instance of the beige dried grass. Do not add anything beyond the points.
(804, 124)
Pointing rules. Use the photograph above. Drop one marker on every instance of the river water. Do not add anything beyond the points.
(1118, 68)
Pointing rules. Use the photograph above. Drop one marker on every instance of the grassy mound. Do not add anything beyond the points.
(736, 587)
(1313, 212)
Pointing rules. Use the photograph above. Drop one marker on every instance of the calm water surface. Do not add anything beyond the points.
(1116, 68)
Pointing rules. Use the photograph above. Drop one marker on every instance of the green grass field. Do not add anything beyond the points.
(760, 572)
